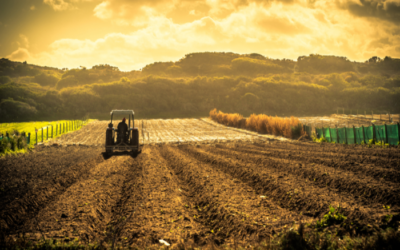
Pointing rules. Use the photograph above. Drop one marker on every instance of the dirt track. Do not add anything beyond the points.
(207, 193)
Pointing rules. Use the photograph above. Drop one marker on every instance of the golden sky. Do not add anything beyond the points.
(132, 33)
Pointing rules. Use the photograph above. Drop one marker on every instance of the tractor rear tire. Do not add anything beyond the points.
(135, 139)
(109, 140)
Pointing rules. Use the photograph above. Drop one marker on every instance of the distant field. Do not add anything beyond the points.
(29, 127)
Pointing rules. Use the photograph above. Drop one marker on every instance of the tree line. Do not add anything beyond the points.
(200, 82)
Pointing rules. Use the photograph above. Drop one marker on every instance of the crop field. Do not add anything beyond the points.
(29, 127)
(195, 182)
(167, 131)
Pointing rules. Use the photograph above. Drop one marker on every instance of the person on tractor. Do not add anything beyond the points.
(122, 131)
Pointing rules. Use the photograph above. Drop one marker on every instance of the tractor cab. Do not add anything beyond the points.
(124, 137)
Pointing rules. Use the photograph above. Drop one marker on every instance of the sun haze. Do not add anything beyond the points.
(131, 34)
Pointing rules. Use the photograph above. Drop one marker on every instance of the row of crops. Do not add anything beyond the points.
(20, 137)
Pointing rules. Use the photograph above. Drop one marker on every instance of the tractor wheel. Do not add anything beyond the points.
(135, 139)
(109, 140)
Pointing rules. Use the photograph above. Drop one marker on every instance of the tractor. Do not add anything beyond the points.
(125, 140)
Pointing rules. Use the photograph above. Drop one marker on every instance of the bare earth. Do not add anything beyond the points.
(195, 182)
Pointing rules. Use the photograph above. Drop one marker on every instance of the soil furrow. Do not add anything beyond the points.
(388, 173)
(161, 210)
(349, 152)
(223, 221)
(365, 188)
(285, 189)
(36, 198)
(82, 212)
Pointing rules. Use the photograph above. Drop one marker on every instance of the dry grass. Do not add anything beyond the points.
(264, 124)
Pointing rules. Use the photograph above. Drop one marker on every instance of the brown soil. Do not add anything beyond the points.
(202, 194)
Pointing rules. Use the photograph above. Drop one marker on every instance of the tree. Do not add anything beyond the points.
(16, 110)
(45, 79)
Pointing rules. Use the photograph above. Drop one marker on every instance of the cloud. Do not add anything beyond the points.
(60, 5)
(271, 28)
(137, 13)
(383, 9)
(24, 41)
(21, 54)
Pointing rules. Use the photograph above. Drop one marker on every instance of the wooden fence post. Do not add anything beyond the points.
(363, 133)
(51, 131)
(29, 138)
(373, 132)
(36, 136)
(337, 134)
(398, 131)
(42, 135)
(386, 134)
(354, 133)
(47, 132)
(345, 134)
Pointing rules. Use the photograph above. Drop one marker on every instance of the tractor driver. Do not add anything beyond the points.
(122, 130)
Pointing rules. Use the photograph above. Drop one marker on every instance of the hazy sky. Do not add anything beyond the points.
(132, 33)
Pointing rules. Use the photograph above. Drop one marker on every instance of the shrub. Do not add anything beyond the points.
(287, 127)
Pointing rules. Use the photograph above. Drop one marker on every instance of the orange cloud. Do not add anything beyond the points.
(21, 54)
(60, 5)
(276, 29)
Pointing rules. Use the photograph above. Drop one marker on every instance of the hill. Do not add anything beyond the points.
(199, 82)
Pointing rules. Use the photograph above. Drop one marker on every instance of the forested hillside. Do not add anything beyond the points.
(200, 82)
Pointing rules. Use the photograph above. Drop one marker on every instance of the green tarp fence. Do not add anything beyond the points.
(342, 135)
(368, 133)
(327, 134)
(320, 132)
(380, 133)
(350, 135)
(393, 134)
(359, 135)
(334, 135)
(386, 133)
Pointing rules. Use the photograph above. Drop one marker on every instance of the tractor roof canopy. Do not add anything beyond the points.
(122, 112)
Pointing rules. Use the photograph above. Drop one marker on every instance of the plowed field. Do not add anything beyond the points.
(223, 186)
(165, 131)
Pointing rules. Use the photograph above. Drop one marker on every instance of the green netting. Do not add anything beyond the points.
(320, 132)
(334, 135)
(327, 134)
(342, 135)
(380, 133)
(350, 135)
(359, 135)
(368, 133)
(393, 134)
